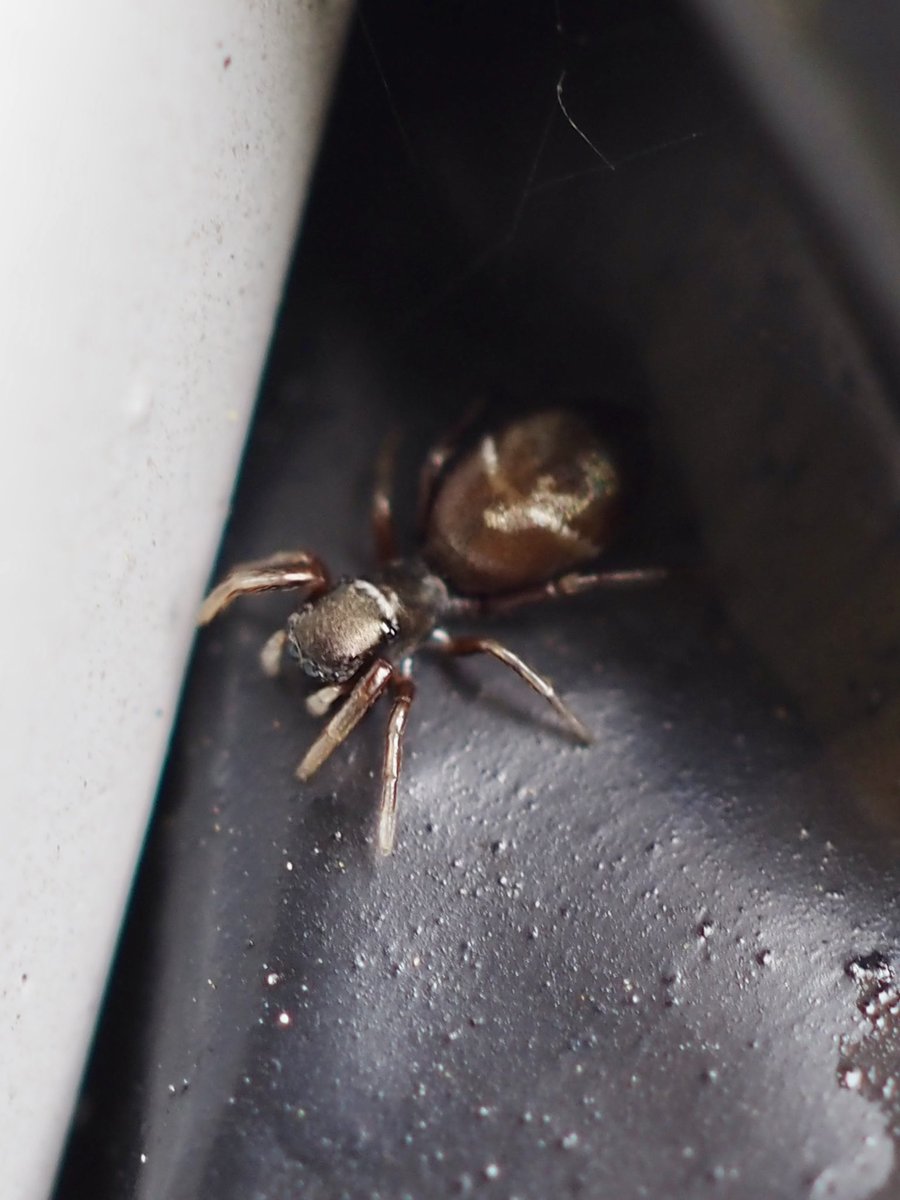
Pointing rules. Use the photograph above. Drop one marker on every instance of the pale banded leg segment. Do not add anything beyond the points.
(364, 694)
(405, 691)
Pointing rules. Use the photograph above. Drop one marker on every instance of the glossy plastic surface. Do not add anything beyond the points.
(155, 159)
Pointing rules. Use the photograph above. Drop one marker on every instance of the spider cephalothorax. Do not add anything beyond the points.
(333, 636)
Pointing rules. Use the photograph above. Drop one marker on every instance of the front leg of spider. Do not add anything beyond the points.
(365, 692)
(404, 690)
(287, 569)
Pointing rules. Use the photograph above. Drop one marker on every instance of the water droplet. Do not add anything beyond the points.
(569, 1142)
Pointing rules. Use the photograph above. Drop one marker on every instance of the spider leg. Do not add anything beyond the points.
(287, 569)
(270, 655)
(364, 694)
(572, 584)
(383, 530)
(405, 691)
(543, 687)
(437, 459)
(318, 703)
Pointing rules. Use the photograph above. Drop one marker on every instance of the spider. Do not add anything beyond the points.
(513, 520)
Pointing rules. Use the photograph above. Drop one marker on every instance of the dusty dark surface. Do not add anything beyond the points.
(659, 966)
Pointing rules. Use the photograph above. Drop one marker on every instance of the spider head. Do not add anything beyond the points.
(335, 635)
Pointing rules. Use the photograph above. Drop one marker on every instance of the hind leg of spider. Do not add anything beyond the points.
(365, 692)
(573, 584)
(543, 687)
(437, 458)
(287, 569)
(383, 532)
(404, 690)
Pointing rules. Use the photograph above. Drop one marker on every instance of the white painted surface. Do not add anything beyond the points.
(154, 158)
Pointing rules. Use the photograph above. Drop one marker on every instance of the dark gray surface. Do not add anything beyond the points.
(825, 77)
(618, 971)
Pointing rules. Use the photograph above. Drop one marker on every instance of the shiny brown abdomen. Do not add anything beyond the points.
(536, 499)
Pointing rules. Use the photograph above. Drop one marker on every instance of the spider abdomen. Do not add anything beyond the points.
(539, 498)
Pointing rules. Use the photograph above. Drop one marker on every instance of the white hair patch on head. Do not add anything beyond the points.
(387, 608)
